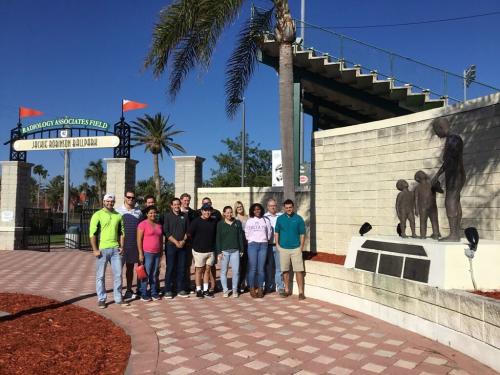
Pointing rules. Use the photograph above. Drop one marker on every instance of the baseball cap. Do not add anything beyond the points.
(206, 207)
(109, 197)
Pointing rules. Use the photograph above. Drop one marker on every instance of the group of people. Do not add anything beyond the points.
(260, 248)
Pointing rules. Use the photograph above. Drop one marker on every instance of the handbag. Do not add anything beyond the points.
(141, 272)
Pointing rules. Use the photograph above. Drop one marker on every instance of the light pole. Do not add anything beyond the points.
(243, 139)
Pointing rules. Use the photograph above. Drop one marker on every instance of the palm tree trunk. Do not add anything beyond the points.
(286, 119)
(156, 174)
(38, 191)
(285, 35)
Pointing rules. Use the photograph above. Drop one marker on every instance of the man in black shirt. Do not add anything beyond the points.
(217, 216)
(202, 233)
(191, 215)
(175, 230)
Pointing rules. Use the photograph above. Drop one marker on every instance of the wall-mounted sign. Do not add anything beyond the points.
(277, 172)
(66, 143)
(7, 216)
(66, 121)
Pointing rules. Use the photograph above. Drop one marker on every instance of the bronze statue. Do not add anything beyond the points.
(405, 207)
(425, 204)
(454, 175)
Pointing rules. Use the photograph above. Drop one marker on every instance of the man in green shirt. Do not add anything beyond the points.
(108, 225)
(289, 237)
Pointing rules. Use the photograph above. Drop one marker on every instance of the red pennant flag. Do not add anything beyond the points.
(28, 112)
(129, 105)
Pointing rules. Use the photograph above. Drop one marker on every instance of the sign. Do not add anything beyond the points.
(64, 122)
(277, 170)
(7, 216)
(66, 143)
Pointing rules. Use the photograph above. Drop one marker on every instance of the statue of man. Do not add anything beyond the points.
(454, 174)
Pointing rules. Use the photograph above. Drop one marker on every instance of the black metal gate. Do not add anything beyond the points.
(84, 239)
(38, 224)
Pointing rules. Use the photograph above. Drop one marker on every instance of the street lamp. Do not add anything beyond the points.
(243, 142)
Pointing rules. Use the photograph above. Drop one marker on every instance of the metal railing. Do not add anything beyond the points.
(403, 70)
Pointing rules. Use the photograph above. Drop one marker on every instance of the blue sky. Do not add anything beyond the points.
(80, 58)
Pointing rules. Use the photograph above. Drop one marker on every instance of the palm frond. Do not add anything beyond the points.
(174, 23)
(189, 29)
(243, 60)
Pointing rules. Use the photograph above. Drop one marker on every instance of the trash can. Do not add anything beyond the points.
(72, 237)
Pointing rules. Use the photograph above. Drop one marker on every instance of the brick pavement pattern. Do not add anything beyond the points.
(238, 336)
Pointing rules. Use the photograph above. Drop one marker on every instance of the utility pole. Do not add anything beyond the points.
(243, 145)
(302, 20)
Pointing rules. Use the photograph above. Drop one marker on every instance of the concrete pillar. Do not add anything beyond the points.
(15, 197)
(120, 176)
(188, 176)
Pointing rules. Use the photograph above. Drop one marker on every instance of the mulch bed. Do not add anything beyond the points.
(44, 336)
(494, 294)
(328, 258)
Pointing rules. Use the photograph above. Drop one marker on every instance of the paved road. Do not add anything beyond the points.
(238, 336)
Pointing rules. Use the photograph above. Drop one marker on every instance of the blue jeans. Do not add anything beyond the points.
(257, 252)
(151, 262)
(176, 268)
(278, 280)
(232, 257)
(112, 256)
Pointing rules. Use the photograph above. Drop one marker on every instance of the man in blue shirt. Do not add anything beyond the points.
(289, 236)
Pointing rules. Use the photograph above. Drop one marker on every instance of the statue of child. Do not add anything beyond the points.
(405, 208)
(425, 204)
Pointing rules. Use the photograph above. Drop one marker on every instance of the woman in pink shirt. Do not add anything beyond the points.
(150, 244)
(258, 232)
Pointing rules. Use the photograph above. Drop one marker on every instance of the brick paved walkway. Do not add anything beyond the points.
(238, 336)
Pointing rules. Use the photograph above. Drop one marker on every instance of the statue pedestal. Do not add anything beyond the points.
(440, 264)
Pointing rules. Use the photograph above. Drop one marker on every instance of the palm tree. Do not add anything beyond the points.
(95, 172)
(156, 136)
(55, 191)
(186, 34)
(41, 172)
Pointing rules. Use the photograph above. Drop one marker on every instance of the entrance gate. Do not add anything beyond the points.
(43, 229)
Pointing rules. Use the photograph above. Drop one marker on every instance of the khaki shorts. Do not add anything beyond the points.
(203, 259)
(291, 257)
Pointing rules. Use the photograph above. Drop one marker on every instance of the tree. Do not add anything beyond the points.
(42, 173)
(156, 136)
(186, 34)
(90, 192)
(148, 187)
(257, 165)
(95, 172)
(55, 192)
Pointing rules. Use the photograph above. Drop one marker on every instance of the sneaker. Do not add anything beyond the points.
(209, 293)
(282, 293)
(169, 295)
(101, 304)
(199, 294)
(122, 303)
(235, 294)
(183, 294)
(156, 298)
(226, 294)
(302, 297)
(128, 295)
(145, 299)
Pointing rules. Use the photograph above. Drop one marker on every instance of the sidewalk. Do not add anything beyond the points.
(245, 336)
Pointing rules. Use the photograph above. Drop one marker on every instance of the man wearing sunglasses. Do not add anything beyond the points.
(131, 215)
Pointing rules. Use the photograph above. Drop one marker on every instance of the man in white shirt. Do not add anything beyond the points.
(274, 278)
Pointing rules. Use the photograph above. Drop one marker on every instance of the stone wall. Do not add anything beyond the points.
(461, 320)
(355, 170)
(247, 195)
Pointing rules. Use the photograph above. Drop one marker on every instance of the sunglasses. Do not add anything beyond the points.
(129, 197)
